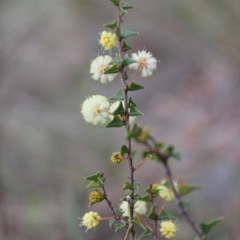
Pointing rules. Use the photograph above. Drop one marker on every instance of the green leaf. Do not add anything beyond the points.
(131, 103)
(118, 211)
(116, 2)
(111, 222)
(136, 185)
(186, 205)
(122, 12)
(151, 214)
(111, 25)
(134, 87)
(145, 234)
(125, 47)
(117, 59)
(150, 190)
(117, 96)
(184, 188)
(163, 216)
(127, 60)
(206, 227)
(176, 155)
(168, 151)
(126, 34)
(95, 177)
(126, 186)
(134, 132)
(124, 150)
(145, 198)
(125, 5)
(134, 155)
(94, 184)
(138, 222)
(119, 227)
(120, 109)
(116, 122)
(134, 112)
(125, 75)
(112, 69)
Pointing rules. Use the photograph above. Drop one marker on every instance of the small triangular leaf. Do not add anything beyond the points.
(120, 109)
(126, 186)
(131, 103)
(118, 211)
(152, 213)
(117, 96)
(112, 69)
(119, 227)
(134, 155)
(176, 155)
(95, 177)
(125, 5)
(111, 222)
(125, 75)
(127, 60)
(116, 122)
(111, 25)
(124, 150)
(145, 198)
(93, 184)
(125, 47)
(134, 87)
(145, 234)
(136, 185)
(207, 226)
(116, 2)
(163, 216)
(126, 34)
(117, 59)
(122, 12)
(184, 188)
(135, 112)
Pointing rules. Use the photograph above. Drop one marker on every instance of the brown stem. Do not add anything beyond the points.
(190, 221)
(109, 203)
(164, 159)
(155, 232)
(125, 95)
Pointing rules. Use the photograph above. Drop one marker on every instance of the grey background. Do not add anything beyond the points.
(192, 101)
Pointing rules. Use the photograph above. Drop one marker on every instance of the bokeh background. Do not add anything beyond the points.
(192, 101)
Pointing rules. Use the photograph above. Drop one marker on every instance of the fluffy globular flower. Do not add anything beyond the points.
(90, 220)
(108, 40)
(95, 197)
(95, 109)
(166, 193)
(140, 207)
(98, 66)
(168, 229)
(116, 158)
(114, 106)
(145, 63)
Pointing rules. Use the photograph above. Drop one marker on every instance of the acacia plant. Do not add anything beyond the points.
(138, 215)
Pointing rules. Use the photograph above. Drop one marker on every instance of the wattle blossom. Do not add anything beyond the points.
(108, 40)
(90, 220)
(98, 66)
(95, 109)
(146, 63)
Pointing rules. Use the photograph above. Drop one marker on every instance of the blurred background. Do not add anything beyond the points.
(192, 101)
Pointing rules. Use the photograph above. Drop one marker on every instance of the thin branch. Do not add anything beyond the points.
(190, 221)
(164, 159)
(109, 203)
(125, 95)
(155, 232)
